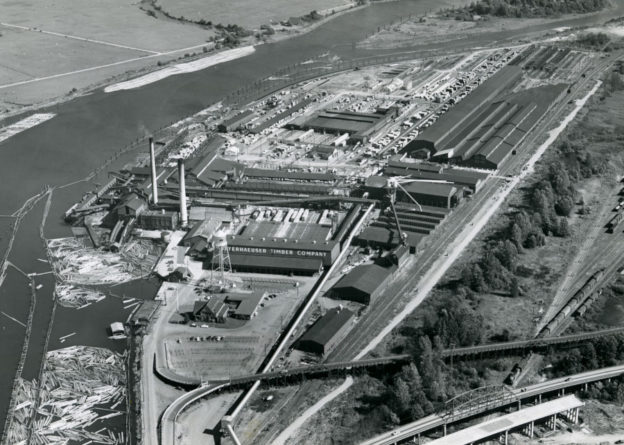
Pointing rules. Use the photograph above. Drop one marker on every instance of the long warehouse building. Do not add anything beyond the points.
(433, 140)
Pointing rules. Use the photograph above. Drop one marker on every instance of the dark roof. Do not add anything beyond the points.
(134, 202)
(238, 119)
(366, 278)
(275, 262)
(203, 163)
(451, 175)
(279, 186)
(327, 326)
(376, 181)
(283, 174)
(384, 236)
(431, 189)
(248, 303)
(203, 229)
(396, 161)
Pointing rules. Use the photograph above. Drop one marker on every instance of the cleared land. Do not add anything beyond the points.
(249, 14)
(434, 29)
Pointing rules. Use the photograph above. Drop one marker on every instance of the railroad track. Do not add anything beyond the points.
(376, 315)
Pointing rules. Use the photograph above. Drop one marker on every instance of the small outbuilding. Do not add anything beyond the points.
(212, 310)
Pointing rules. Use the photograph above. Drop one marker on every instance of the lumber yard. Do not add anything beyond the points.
(278, 229)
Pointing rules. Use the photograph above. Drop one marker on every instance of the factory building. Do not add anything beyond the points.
(434, 140)
(326, 251)
(201, 231)
(213, 171)
(323, 152)
(326, 332)
(236, 122)
(500, 129)
(131, 207)
(280, 256)
(434, 194)
(470, 179)
(279, 187)
(284, 175)
(359, 126)
(431, 194)
(282, 115)
(363, 283)
(158, 220)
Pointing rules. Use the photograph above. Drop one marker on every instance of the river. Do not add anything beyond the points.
(88, 130)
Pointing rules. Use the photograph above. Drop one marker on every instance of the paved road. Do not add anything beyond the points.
(434, 421)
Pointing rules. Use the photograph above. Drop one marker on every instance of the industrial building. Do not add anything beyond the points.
(496, 133)
(326, 332)
(131, 206)
(400, 166)
(274, 255)
(359, 126)
(416, 224)
(435, 194)
(285, 175)
(434, 140)
(158, 220)
(482, 132)
(431, 194)
(363, 283)
(236, 122)
(200, 234)
(212, 171)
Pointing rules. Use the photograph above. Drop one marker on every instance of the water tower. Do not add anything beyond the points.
(220, 258)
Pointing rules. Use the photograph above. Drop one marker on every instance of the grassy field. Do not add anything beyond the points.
(249, 14)
(53, 42)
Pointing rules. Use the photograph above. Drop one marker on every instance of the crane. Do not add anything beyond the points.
(394, 183)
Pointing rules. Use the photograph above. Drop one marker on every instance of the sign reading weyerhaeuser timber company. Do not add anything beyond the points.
(273, 251)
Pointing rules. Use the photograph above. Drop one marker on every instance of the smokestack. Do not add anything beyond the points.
(183, 215)
(153, 166)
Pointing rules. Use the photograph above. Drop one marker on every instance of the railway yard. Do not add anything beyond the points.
(299, 229)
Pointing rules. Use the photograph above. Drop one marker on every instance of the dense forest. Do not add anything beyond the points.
(527, 8)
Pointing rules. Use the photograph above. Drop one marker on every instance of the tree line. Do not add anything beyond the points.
(526, 8)
(548, 204)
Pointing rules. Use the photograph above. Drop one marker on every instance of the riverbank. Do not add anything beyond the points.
(28, 89)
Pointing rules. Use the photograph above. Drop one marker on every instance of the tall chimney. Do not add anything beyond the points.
(183, 215)
(153, 166)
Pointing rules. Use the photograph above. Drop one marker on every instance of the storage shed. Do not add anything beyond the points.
(326, 332)
(362, 284)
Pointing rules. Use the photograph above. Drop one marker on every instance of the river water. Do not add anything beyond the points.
(88, 130)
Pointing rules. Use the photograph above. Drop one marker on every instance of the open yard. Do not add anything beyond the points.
(243, 344)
